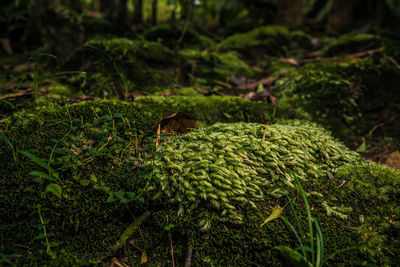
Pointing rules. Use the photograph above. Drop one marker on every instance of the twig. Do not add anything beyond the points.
(392, 60)
(172, 248)
(265, 131)
(189, 254)
(116, 262)
(355, 55)
(381, 124)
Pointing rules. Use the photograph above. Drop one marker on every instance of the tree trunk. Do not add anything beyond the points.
(138, 12)
(154, 12)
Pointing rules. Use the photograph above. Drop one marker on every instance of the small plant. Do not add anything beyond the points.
(312, 249)
(10, 144)
(45, 235)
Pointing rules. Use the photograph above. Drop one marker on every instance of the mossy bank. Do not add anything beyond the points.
(108, 178)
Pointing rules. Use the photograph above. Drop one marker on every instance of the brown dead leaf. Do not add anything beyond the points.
(18, 94)
(207, 92)
(94, 14)
(266, 82)
(133, 95)
(23, 68)
(5, 42)
(393, 160)
(226, 85)
(291, 61)
(179, 123)
(241, 81)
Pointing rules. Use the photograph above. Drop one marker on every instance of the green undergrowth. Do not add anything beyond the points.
(210, 66)
(348, 97)
(103, 191)
(352, 43)
(117, 66)
(170, 34)
(269, 40)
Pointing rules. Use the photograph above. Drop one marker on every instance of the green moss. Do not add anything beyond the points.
(352, 43)
(228, 166)
(86, 226)
(271, 40)
(341, 95)
(169, 35)
(119, 65)
(214, 66)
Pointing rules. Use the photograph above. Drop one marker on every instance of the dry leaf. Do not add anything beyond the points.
(178, 122)
(276, 213)
(144, 257)
(393, 160)
(5, 42)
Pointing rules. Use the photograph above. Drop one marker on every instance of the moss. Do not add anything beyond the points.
(271, 40)
(352, 43)
(119, 65)
(229, 166)
(341, 95)
(169, 34)
(214, 66)
(86, 226)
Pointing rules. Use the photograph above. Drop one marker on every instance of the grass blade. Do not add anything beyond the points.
(309, 219)
(293, 230)
(5, 139)
(298, 222)
(320, 244)
(43, 175)
(38, 161)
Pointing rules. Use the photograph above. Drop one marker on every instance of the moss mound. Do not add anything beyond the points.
(214, 66)
(87, 221)
(169, 35)
(271, 40)
(352, 43)
(229, 166)
(349, 97)
(120, 65)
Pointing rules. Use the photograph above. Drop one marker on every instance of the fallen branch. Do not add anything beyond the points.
(351, 56)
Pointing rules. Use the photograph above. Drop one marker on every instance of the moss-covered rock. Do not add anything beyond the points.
(270, 40)
(349, 97)
(212, 66)
(352, 43)
(170, 34)
(119, 65)
(86, 222)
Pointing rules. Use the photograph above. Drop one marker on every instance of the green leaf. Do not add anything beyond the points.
(295, 258)
(84, 182)
(40, 236)
(362, 147)
(37, 160)
(276, 213)
(55, 189)
(43, 175)
(117, 115)
(119, 194)
(111, 199)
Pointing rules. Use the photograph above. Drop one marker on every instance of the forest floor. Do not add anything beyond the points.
(118, 131)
